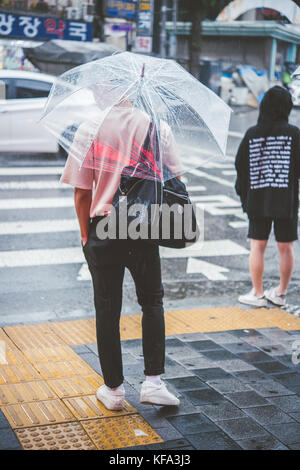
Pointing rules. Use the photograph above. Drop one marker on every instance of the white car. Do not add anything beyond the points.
(22, 98)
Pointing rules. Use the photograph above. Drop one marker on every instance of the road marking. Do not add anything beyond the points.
(209, 270)
(235, 134)
(23, 258)
(239, 224)
(205, 248)
(229, 172)
(21, 171)
(39, 226)
(40, 257)
(37, 203)
(196, 188)
(203, 174)
(33, 185)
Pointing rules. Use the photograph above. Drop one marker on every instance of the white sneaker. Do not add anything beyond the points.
(273, 297)
(251, 299)
(152, 394)
(111, 399)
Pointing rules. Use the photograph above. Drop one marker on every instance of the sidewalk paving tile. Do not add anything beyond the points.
(288, 433)
(205, 345)
(8, 440)
(288, 404)
(237, 388)
(120, 432)
(262, 443)
(253, 357)
(192, 424)
(240, 428)
(271, 388)
(268, 414)
(203, 397)
(66, 436)
(228, 385)
(240, 347)
(185, 407)
(271, 367)
(251, 376)
(246, 399)
(25, 392)
(221, 411)
(212, 441)
(296, 416)
(37, 413)
(177, 444)
(186, 383)
(212, 373)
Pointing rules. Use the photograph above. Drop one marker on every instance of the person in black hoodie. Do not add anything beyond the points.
(268, 169)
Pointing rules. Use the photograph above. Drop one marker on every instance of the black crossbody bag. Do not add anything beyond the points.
(176, 228)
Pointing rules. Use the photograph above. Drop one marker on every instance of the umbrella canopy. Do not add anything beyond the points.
(136, 113)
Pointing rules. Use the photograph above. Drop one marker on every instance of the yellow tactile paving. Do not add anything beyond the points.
(9, 353)
(65, 436)
(88, 407)
(120, 432)
(76, 332)
(18, 373)
(57, 370)
(75, 386)
(33, 336)
(130, 327)
(25, 392)
(56, 354)
(37, 413)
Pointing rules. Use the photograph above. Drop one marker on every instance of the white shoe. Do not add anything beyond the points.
(273, 297)
(152, 394)
(111, 399)
(251, 299)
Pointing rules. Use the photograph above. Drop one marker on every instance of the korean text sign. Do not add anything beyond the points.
(121, 8)
(35, 27)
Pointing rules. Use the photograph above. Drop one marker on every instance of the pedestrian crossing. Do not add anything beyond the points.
(36, 223)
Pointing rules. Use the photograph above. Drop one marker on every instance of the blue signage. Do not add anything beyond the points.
(121, 9)
(35, 27)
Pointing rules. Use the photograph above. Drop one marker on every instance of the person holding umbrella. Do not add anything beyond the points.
(268, 169)
(103, 114)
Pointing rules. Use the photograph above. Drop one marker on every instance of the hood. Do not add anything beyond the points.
(276, 105)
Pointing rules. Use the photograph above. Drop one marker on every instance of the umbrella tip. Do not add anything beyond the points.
(143, 70)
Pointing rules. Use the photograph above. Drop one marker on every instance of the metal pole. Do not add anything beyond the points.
(174, 17)
(163, 32)
(273, 60)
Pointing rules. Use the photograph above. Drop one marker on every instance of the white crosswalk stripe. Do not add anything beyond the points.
(38, 226)
(40, 203)
(23, 171)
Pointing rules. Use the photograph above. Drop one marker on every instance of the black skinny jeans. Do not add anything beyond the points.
(107, 260)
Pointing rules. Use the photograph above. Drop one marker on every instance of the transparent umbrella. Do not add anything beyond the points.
(137, 114)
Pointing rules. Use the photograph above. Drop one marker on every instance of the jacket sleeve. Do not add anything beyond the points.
(241, 165)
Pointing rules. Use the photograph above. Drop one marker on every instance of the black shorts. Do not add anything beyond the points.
(285, 230)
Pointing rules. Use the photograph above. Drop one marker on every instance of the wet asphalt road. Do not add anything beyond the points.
(42, 272)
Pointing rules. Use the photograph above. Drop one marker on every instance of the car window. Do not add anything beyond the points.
(25, 88)
(5, 88)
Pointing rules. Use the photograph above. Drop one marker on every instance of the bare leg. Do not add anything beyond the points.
(256, 265)
(287, 261)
